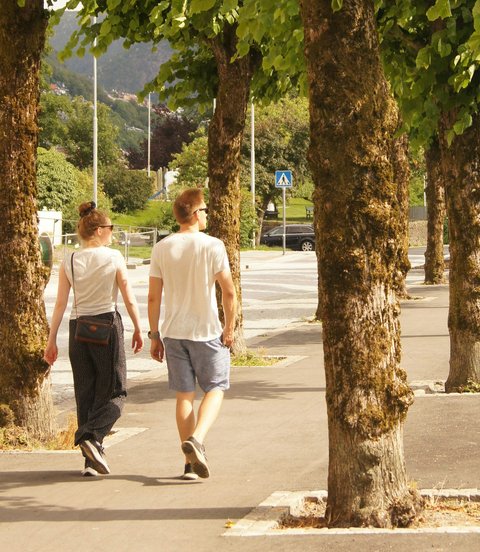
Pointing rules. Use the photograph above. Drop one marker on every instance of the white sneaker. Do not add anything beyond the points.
(89, 470)
(189, 474)
(94, 452)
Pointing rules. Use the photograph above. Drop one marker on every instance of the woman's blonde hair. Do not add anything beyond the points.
(90, 219)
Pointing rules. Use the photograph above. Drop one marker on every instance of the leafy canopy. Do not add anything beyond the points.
(271, 27)
(281, 142)
(431, 52)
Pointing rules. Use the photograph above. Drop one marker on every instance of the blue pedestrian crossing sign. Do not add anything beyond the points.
(283, 179)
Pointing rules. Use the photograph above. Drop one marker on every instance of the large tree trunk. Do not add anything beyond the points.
(224, 142)
(401, 175)
(434, 261)
(23, 326)
(353, 120)
(461, 173)
(317, 200)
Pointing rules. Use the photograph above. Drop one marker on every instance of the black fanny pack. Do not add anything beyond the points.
(91, 329)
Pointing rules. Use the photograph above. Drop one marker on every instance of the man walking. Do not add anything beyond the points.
(185, 267)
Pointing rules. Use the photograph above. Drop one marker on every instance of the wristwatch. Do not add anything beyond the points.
(153, 335)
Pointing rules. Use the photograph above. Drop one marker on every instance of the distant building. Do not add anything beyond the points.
(50, 223)
(59, 88)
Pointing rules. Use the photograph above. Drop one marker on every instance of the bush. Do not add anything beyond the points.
(56, 179)
(164, 220)
(248, 220)
(128, 190)
(83, 192)
(62, 187)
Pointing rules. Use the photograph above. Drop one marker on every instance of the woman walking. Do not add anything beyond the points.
(96, 273)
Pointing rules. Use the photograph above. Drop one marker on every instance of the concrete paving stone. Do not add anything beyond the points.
(270, 437)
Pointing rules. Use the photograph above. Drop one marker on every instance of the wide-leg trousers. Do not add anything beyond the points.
(99, 379)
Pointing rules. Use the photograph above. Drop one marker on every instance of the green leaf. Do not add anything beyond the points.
(199, 6)
(229, 5)
(337, 5)
(112, 4)
(444, 48)
(476, 15)
(474, 43)
(441, 10)
(105, 28)
(242, 49)
(423, 58)
(463, 123)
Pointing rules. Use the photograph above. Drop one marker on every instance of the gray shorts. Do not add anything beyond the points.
(207, 362)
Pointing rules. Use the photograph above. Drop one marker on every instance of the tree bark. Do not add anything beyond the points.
(352, 122)
(434, 261)
(316, 198)
(401, 174)
(224, 142)
(24, 389)
(461, 173)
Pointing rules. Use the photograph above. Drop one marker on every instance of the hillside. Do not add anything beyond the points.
(118, 69)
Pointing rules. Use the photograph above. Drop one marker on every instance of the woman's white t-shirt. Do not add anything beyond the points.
(187, 263)
(95, 271)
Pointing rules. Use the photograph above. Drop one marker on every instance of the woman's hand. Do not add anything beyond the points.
(51, 353)
(137, 341)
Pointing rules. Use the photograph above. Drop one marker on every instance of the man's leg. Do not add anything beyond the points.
(211, 363)
(185, 414)
(207, 413)
(193, 447)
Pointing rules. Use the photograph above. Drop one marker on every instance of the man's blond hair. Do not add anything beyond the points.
(186, 204)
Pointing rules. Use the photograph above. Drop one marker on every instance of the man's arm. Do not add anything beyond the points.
(229, 302)
(155, 288)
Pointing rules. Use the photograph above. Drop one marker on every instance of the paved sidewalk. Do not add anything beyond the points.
(271, 436)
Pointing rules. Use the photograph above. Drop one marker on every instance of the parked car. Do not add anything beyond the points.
(298, 236)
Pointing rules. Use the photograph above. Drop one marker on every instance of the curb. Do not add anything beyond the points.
(264, 519)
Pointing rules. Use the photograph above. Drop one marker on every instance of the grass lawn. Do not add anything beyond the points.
(138, 218)
(295, 210)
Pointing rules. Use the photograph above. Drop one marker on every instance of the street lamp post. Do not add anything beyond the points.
(95, 122)
(252, 162)
(148, 137)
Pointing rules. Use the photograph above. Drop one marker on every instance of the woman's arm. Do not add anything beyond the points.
(51, 350)
(131, 306)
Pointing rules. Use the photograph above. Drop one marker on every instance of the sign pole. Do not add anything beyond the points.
(283, 180)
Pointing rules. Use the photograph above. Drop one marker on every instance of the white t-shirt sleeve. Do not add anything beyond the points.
(119, 260)
(155, 270)
(220, 258)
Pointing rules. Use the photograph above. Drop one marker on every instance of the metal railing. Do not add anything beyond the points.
(135, 243)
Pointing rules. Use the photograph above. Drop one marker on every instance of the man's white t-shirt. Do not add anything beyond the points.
(95, 270)
(187, 263)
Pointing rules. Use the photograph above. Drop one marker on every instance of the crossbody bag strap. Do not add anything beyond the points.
(73, 286)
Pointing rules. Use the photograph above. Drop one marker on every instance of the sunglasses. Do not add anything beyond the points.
(202, 209)
(106, 226)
